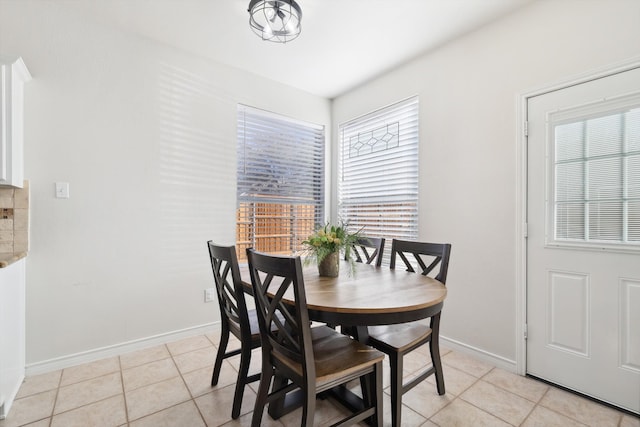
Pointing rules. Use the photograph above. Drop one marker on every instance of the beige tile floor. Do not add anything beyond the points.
(169, 385)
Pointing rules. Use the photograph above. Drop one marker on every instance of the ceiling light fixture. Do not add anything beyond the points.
(275, 20)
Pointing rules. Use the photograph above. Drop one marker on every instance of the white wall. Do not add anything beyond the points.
(468, 93)
(146, 137)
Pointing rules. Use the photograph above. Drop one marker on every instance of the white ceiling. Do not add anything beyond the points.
(343, 42)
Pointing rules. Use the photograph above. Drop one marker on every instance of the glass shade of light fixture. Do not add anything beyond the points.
(275, 20)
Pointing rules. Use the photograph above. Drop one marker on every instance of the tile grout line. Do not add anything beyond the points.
(55, 399)
(479, 408)
(455, 397)
(551, 387)
(86, 404)
(122, 386)
(171, 356)
(193, 398)
(535, 403)
(124, 394)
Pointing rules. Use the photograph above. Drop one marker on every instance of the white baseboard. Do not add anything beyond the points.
(117, 349)
(139, 344)
(477, 353)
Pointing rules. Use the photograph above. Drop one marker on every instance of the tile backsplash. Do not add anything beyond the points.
(14, 219)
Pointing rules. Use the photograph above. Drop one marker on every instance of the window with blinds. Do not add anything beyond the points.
(596, 163)
(280, 181)
(378, 172)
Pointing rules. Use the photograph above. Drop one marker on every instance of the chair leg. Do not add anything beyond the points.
(263, 394)
(309, 406)
(222, 348)
(372, 396)
(434, 348)
(365, 388)
(245, 361)
(378, 394)
(395, 361)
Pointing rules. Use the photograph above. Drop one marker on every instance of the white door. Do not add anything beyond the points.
(583, 246)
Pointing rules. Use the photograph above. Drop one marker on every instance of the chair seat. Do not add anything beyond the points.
(399, 337)
(253, 323)
(337, 355)
(254, 326)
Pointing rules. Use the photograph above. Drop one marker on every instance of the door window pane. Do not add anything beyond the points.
(596, 190)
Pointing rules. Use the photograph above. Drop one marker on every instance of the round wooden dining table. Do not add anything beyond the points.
(371, 295)
(367, 295)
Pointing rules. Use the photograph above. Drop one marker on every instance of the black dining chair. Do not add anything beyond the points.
(235, 319)
(297, 356)
(398, 340)
(368, 250)
(365, 250)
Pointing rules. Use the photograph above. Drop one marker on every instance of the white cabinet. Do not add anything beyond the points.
(12, 333)
(13, 75)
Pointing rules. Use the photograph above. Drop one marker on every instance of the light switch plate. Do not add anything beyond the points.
(62, 190)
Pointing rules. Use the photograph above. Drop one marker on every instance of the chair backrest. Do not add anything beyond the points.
(226, 273)
(284, 328)
(416, 255)
(368, 250)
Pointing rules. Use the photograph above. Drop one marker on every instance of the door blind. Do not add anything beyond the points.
(597, 178)
(280, 181)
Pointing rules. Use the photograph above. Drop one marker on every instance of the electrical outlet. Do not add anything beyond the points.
(209, 294)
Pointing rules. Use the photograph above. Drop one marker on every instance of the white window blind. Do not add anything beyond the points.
(378, 172)
(597, 178)
(280, 181)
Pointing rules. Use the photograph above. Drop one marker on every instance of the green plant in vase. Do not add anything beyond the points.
(325, 245)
